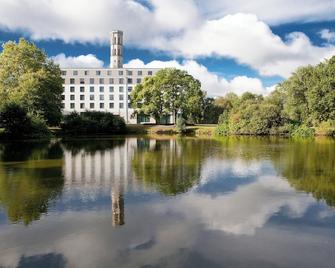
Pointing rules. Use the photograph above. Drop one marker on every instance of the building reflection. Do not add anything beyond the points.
(105, 165)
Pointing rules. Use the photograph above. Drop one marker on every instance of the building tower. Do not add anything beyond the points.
(116, 60)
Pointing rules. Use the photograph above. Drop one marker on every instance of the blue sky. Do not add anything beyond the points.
(227, 46)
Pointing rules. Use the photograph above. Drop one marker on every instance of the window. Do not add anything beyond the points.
(111, 80)
(111, 89)
(71, 97)
(109, 72)
(139, 72)
(91, 80)
(121, 97)
(82, 105)
(121, 105)
(138, 80)
(91, 105)
(130, 89)
(86, 72)
(101, 97)
(120, 72)
(111, 97)
(111, 105)
(63, 72)
(101, 81)
(72, 81)
(149, 72)
(98, 72)
(71, 105)
(71, 89)
(129, 80)
(82, 89)
(75, 72)
(101, 89)
(63, 97)
(91, 97)
(82, 81)
(63, 105)
(121, 81)
(82, 97)
(91, 89)
(129, 105)
(102, 105)
(120, 89)
(129, 72)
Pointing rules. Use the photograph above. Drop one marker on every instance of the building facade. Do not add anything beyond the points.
(104, 89)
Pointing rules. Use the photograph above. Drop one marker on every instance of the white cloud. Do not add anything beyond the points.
(213, 84)
(327, 35)
(274, 11)
(190, 28)
(82, 61)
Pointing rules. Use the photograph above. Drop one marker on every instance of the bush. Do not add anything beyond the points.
(19, 124)
(303, 131)
(326, 128)
(93, 123)
(222, 130)
(181, 125)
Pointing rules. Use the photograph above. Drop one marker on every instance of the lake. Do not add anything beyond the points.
(168, 202)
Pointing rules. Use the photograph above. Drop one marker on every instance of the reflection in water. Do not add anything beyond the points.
(181, 203)
(31, 181)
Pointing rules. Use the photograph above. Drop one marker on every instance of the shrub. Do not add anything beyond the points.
(93, 123)
(222, 130)
(19, 124)
(181, 125)
(326, 128)
(303, 131)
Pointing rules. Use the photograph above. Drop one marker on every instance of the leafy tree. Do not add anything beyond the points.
(170, 91)
(29, 78)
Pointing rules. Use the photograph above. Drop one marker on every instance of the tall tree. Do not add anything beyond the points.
(170, 91)
(29, 78)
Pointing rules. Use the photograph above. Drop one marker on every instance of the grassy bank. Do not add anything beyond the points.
(197, 130)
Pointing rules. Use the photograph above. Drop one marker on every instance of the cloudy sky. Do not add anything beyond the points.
(237, 46)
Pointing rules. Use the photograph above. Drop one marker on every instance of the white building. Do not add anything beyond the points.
(104, 89)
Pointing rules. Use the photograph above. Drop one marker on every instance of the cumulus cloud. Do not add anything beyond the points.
(82, 61)
(189, 28)
(213, 84)
(327, 35)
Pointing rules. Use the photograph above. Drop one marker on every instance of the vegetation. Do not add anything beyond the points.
(170, 91)
(89, 123)
(299, 106)
(18, 123)
(30, 79)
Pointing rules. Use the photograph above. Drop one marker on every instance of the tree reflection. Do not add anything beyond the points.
(172, 166)
(30, 178)
(310, 166)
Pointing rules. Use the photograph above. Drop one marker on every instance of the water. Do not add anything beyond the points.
(168, 202)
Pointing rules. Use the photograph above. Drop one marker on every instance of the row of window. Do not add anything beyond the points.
(110, 81)
(101, 97)
(109, 72)
(101, 89)
(101, 105)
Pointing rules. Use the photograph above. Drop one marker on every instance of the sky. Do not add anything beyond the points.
(230, 46)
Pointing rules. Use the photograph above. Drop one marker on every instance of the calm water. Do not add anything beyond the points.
(136, 202)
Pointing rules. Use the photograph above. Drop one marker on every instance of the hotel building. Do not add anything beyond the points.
(105, 89)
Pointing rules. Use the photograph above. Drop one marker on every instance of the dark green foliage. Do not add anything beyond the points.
(181, 125)
(19, 124)
(88, 123)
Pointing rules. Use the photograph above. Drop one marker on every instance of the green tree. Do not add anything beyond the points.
(32, 80)
(170, 91)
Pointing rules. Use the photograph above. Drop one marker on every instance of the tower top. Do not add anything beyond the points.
(116, 58)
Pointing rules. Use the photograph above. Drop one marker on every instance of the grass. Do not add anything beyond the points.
(197, 130)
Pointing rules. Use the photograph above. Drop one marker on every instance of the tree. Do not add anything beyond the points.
(29, 78)
(170, 91)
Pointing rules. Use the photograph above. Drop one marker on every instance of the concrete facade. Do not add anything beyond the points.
(104, 89)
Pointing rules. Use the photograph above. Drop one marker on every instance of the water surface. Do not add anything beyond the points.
(168, 202)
